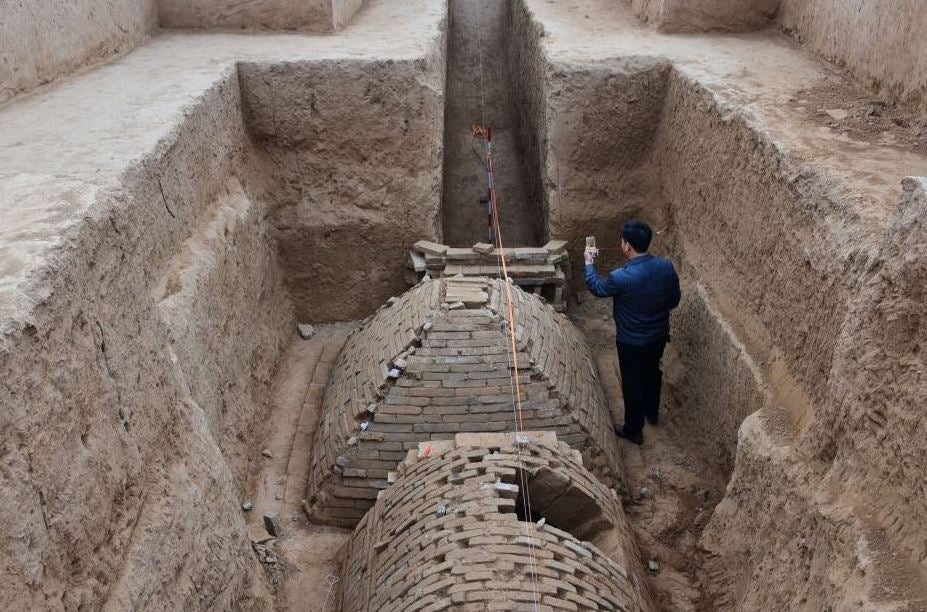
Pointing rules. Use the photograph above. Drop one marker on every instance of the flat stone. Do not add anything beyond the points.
(555, 246)
(527, 254)
(506, 490)
(430, 248)
(483, 248)
(266, 453)
(305, 330)
(454, 254)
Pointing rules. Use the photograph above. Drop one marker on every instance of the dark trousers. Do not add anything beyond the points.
(641, 379)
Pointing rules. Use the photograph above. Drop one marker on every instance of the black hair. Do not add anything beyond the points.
(638, 234)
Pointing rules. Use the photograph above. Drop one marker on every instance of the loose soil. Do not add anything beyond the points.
(856, 113)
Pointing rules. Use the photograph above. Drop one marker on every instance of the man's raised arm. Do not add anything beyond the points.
(599, 286)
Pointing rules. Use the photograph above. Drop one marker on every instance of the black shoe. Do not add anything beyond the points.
(653, 419)
(637, 438)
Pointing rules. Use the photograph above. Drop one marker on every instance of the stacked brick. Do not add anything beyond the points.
(559, 355)
(543, 271)
(358, 383)
(438, 362)
(446, 535)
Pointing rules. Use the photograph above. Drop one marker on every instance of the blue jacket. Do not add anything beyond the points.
(644, 291)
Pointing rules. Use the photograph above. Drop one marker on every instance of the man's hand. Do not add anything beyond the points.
(590, 254)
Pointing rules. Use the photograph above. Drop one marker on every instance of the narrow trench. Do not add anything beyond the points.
(674, 481)
(479, 92)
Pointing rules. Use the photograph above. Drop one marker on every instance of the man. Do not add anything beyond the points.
(644, 291)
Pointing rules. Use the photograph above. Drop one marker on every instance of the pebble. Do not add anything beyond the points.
(645, 493)
(247, 506)
(305, 330)
(653, 566)
(266, 452)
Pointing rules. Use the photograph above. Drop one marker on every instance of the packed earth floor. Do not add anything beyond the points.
(257, 351)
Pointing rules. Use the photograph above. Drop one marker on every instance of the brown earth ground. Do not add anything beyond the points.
(302, 562)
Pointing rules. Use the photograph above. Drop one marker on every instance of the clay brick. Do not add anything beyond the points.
(430, 248)
(436, 427)
(558, 604)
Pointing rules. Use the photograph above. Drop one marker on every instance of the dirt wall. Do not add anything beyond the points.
(881, 42)
(674, 16)
(42, 40)
(308, 15)
(825, 501)
(352, 154)
(343, 11)
(528, 73)
(117, 439)
(848, 507)
(584, 134)
(766, 263)
(602, 121)
(712, 383)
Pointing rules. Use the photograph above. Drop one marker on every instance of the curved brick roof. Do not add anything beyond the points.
(447, 535)
(450, 339)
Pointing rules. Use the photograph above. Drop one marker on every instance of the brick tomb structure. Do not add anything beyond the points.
(453, 533)
(435, 362)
